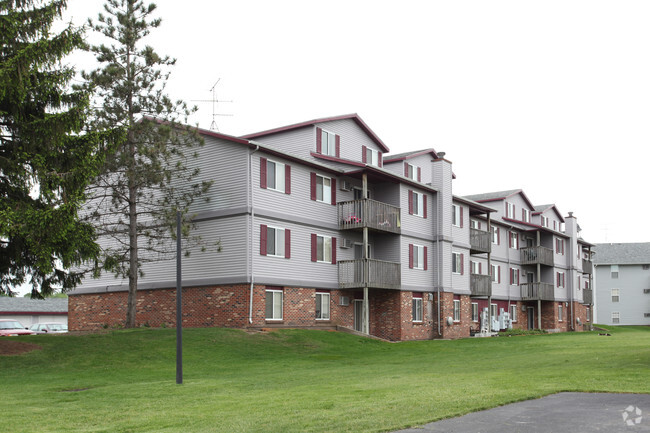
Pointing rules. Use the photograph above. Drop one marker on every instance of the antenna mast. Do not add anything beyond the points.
(215, 100)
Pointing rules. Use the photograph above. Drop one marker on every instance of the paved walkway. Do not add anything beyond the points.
(569, 412)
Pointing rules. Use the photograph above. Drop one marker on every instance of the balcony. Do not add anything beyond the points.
(587, 296)
(380, 274)
(375, 215)
(535, 255)
(587, 267)
(480, 241)
(480, 285)
(537, 291)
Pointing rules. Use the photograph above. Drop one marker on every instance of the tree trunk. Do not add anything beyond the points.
(133, 247)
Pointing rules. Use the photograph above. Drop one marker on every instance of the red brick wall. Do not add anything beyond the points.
(457, 329)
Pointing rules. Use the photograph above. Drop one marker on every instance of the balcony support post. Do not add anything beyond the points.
(366, 276)
(489, 259)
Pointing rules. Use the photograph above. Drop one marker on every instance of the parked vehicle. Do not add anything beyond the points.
(13, 327)
(47, 328)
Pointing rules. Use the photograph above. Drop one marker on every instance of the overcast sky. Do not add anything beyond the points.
(548, 96)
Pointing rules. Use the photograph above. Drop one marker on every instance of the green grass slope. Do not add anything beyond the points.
(299, 381)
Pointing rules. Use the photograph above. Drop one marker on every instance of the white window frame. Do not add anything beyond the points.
(560, 312)
(418, 204)
(544, 221)
(588, 314)
(513, 313)
(474, 267)
(372, 157)
(274, 294)
(323, 246)
(324, 302)
(418, 256)
(328, 143)
(494, 273)
(616, 317)
(513, 235)
(456, 310)
(510, 210)
(411, 171)
(616, 295)
(495, 235)
(455, 215)
(614, 271)
(456, 263)
(475, 315)
(526, 215)
(417, 310)
(278, 240)
(474, 224)
(325, 185)
(494, 311)
(275, 176)
(562, 283)
(515, 276)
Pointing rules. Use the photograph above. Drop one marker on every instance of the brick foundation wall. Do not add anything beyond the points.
(457, 329)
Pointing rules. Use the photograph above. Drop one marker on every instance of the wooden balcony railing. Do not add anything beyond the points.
(369, 213)
(535, 255)
(380, 274)
(480, 285)
(480, 241)
(535, 291)
(587, 267)
(587, 296)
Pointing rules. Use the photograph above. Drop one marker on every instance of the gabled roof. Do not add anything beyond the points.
(543, 208)
(622, 254)
(477, 208)
(408, 155)
(353, 116)
(499, 195)
(30, 306)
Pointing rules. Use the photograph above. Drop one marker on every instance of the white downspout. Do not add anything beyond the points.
(250, 236)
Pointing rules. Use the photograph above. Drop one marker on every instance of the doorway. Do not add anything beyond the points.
(531, 317)
(358, 315)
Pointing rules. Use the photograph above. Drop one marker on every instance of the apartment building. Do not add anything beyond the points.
(321, 227)
(622, 283)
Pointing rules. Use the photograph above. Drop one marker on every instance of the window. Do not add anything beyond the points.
(493, 311)
(616, 295)
(513, 313)
(544, 221)
(323, 189)
(328, 143)
(322, 249)
(372, 157)
(417, 307)
(474, 267)
(614, 271)
(560, 312)
(456, 215)
(495, 272)
(555, 225)
(274, 303)
(457, 263)
(496, 236)
(417, 257)
(417, 204)
(510, 210)
(474, 311)
(514, 240)
(559, 246)
(275, 241)
(410, 171)
(275, 176)
(588, 314)
(525, 215)
(475, 224)
(456, 310)
(560, 280)
(514, 277)
(616, 317)
(322, 306)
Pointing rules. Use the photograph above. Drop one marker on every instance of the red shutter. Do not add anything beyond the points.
(313, 186)
(314, 243)
(410, 202)
(425, 259)
(338, 146)
(319, 138)
(333, 251)
(424, 203)
(518, 276)
(410, 256)
(499, 272)
(462, 264)
(419, 174)
(558, 278)
(480, 268)
(512, 276)
(406, 169)
(263, 173)
(287, 179)
(364, 156)
(381, 161)
(523, 214)
(287, 243)
(498, 236)
(263, 233)
(461, 216)
(333, 187)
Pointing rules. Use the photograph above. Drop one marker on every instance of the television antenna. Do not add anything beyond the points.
(215, 101)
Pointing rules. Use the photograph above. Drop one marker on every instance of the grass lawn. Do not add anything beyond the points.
(301, 381)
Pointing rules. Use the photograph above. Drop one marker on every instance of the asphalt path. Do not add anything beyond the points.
(570, 412)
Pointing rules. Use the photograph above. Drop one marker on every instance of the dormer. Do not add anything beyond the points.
(415, 165)
(511, 205)
(548, 216)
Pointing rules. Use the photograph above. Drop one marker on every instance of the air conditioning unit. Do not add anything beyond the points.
(347, 243)
(646, 290)
(344, 301)
(646, 314)
(346, 186)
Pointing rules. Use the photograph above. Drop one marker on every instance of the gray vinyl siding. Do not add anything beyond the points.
(298, 142)
(353, 138)
(416, 279)
(423, 162)
(461, 234)
(633, 304)
(414, 225)
(461, 282)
